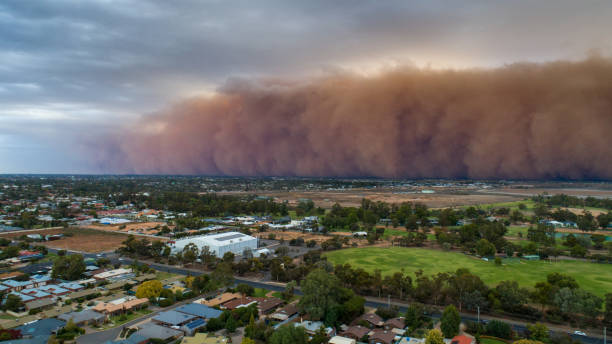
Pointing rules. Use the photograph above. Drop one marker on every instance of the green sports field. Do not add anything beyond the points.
(596, 278)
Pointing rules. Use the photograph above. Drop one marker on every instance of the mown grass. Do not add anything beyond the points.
(596, 278)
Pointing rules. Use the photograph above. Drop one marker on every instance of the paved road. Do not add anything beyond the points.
(591, 339)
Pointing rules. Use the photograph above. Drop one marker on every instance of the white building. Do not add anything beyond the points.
(218, 244)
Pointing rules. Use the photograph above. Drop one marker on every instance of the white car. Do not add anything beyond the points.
(579, 333)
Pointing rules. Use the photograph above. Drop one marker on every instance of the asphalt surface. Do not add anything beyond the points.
(102, 336)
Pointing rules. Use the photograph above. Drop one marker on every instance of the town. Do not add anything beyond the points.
(269, 266)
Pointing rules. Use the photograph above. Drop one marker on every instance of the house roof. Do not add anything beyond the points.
(356, 332)
(197, 323)
(41, 327)
(53, 289)
(396, 323)
(241, 302)
(150, 330)
(71, 286)
(79, 317)
(24, 298)
(199, 310)
(269, 303)
(83, 293)
(109, 307)
(461, 339)
(174, 318)
(341, 340)
(372, 318)
(35, 292)
(285, 312)
(41, 303)
(15, 284)
(221, 299)
(10, 275)
(382, 336)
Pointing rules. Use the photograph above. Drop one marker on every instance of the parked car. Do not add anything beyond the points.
(579, 333)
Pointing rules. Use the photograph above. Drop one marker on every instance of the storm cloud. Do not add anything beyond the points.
(69, 67)
(550, 120)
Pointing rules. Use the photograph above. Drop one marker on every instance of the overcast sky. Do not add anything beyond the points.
(72, 68)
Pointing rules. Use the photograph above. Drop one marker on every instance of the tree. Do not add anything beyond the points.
(190, 253)
(223, 275)
(527, 341)
(578, 301)
(320, 294)
(415, 318)
(434, 337)
(484, 248)
(450, 321)
(230, 324)
(538, 332)
(69, 267)
(608, 312)
(13, 303)
(510, 295)
(245, 289)
(149, 289)
(320, 337)
(289, 335)
(499, 329)
(287, 294)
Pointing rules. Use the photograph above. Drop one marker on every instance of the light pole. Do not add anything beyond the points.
(478, 308)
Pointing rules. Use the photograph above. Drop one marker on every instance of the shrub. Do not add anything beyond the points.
(499, 329)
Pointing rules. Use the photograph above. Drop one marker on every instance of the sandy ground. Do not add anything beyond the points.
(82, 239)
(138, 227)
(288, 235)
(527, 192)
(352, 198)
(580, 211)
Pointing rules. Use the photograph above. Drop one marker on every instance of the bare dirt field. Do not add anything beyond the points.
(80, 239)
(149, 228)
(527, 192)
(352, 198)
(580, 211)
(289, 235)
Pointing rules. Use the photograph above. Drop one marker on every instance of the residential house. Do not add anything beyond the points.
(356, 332)
(151, 330)
(239, 303)
(39, 331)
(463, 339)
(219, 300)
(41, 304)
(119, 306)
(18, 285)
(311, 327)
(199, 310)
(397, 323)
(84, 317)
(372, 319)
(285, 313)
(113, 274)
(54, 289)
(342, 340)
(267, 305)
(380, 336)
(35, 293)
(173, 318)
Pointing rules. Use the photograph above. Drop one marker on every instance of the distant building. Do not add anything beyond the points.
(218, 244)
